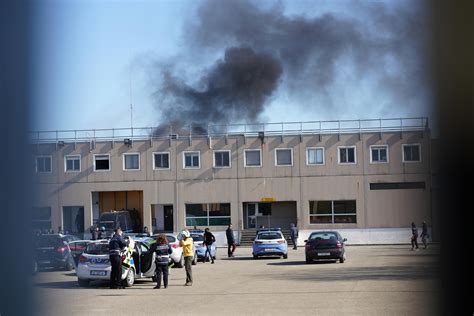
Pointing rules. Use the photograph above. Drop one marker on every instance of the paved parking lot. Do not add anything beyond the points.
(374, 280)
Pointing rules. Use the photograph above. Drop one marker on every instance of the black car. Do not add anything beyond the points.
(52, 251)
(112, 220)
(325, 245)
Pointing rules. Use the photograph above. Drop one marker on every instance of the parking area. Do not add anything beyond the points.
(373, 280)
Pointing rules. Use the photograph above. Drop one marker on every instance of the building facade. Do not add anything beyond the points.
(369, 183)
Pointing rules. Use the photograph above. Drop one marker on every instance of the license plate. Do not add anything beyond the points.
(99, 273)
(324, 254)
(270, 249)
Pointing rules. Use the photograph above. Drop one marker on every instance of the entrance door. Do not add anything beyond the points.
(73, 219)
(252, 209)
(168, 218)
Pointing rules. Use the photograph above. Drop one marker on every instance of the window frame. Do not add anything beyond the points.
(192, 152)
(50, 164)
(65, 163)
(130, 154)
(276, 157)
(315, 164)
(214, 159)
(245, 158)
(208, 210)
(161, 153)
(419, 153)
(379, 162)
(339, 155)
(101, 170)
(333, 214)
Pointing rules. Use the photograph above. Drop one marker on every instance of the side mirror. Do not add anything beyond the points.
(345, 239)
(306, 240)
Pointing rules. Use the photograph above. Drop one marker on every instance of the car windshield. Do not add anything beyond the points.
(49, 241)
(97, 249)
(323, 236)
(269, 235)
(197, 237)
(171, 239)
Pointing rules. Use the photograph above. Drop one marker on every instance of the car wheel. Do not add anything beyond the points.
(308, 260)
(342, 259)
(129, 279)
(180, 263)
(69, 266)
(285, 256)
(255, 257)
(83, 282)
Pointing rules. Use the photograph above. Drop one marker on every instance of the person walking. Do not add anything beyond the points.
(294, 235)
(187, 243)
(116, 245)
(209, 239)
(95, 233)
(229, 233)
(162, 252)
(414, 236)
(424, 234)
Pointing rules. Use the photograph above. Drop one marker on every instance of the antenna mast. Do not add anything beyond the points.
(131, 104)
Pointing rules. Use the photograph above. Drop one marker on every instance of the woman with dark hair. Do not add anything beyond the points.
(414, 236)
(162, 254)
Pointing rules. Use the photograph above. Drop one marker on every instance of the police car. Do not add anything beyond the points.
(94, 263)
(199, 248)
(270, 242)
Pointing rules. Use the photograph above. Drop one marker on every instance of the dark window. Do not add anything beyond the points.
(283, 157)
(162, 161)
(43, 164)
(102, 162)
(347, 155)
(208, 214)
(379, 154)
(73, 163)
(330, 212)
(221, 159)
(397, 185)
(131, 161)
(411, 153)
(191, 160)
(252, 158)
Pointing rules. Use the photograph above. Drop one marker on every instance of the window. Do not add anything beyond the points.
(332, 212)
(72, 163)
(411, 153)
(252, 158)
(43, 164)
(397, 185)
(379, 154)
(102, 162)
(208, 214)
(131, 161)
(41, 218)
(222, 159)
(347, 155)
(315, 156)
(284, 157)
(191, 160)
(161, 161)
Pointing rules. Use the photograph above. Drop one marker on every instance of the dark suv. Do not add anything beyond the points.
(325, 245)
(114, 219)
(52, 250)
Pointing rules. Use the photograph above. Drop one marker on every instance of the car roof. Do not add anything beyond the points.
(269, 232)
(326, 232)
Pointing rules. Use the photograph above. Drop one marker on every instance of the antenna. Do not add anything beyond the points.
(131, 103)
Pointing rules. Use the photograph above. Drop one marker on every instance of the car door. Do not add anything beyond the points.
(147, 266)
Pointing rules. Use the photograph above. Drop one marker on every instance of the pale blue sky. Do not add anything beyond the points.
(84, 52)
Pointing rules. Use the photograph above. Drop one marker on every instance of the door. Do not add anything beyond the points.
(146, 261)
(168, 218)
(252, 209)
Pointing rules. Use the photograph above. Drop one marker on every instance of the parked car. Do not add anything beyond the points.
(111, 220)
(270, 242)
(200, 249)
(176, 258)
(77, 248)
(52, 251)
(94, 263)
(325, 245)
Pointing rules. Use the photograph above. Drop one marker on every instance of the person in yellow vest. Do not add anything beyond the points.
(188, 252)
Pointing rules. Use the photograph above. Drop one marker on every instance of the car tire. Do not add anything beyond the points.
(129, 279)
(308, 260)
(180, 263)
(285, 256)
(69, 266)
(255, 257)
(83, 282)
(342, 259)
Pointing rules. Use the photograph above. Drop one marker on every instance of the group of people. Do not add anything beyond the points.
(414, 235)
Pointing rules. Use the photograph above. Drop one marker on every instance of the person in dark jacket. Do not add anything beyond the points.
(95, 233)
(162, 254)
(294, 235)
(209, 239)
(116, 246)
(229, 233)
(424, 234)
(414, 236)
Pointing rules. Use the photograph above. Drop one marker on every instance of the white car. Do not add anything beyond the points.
(94, 263)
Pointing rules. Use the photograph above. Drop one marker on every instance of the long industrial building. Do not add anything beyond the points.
(368, 179)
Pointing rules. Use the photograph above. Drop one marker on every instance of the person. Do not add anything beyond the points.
(414, 236)
(116, 246)
(229, 233)
(95, 233)
(162, 252)
(79, 221)
(187, 243)
(102, 233)
(145, 231)
(424, 234)
(209, 239)
(294, 235)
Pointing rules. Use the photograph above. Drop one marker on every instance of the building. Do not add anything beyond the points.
(368, 179)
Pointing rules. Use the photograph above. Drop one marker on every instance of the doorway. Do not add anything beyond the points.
(162, 218)
(73, 219)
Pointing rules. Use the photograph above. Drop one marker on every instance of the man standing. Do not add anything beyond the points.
(414, 236)
(294, 235)
(187, 243)
(230, 241)
(116, 244)
(209, 239)
(424, 234)
(95, 233)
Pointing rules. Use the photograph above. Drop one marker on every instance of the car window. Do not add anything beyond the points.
(170, 238)
(269, 235)
(48, 241)
(97, 249)
(323, 236)
(197, 237)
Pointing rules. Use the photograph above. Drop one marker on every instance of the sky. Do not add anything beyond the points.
(225, 62)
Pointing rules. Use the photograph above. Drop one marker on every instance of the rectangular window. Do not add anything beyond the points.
(102, 162)
(222, 159)
(283, 157)
(41, 218)
(252, 158)
(411, 153)
(333, 212)
(191, 160)
(72, 163)
(347, 155)
(43, 164)
(397, 185)
(208, 214)
(131, 161)
(315, 156)
(161, 160)
(379, 154)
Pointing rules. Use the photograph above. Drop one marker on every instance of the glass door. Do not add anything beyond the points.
(252, 215)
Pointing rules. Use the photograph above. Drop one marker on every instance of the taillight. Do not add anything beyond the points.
(174, 246)
(61, 249)
(338, 244)
(123, 257)
(82, 259)
(282, 241)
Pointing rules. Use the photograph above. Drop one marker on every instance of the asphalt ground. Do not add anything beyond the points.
(374, 280)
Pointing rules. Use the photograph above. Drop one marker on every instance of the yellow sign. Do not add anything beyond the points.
(268, 199)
